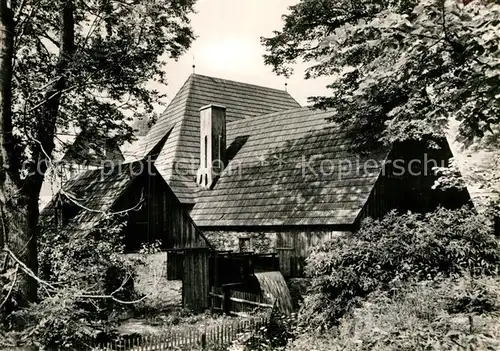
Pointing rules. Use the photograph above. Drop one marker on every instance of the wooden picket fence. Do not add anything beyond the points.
(193, 339)
(223, 300)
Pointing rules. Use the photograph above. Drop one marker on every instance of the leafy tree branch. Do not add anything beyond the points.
(73, 64)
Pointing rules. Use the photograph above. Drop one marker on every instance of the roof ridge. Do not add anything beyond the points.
(241, 83)
(177, 150)
(187, 84)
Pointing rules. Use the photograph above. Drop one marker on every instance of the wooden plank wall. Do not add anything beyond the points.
(293, 247)
(195, 282)
(399, 189)
(285, 258)
(180, 232)
(191, 252)
(161, 217)
(382, 199)
(175, 266)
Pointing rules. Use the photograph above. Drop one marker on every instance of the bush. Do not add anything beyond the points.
(90, 262)
(84, 269)
(427, 315)
(58, 322)
(298, 289)
(385, 253)
(275, 336)
(419, 317)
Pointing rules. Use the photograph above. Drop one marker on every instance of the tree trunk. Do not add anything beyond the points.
(6, 58)
(19, 212)
(13, 204)
(44, 145)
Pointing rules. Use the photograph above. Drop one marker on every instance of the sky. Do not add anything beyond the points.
(228, 46)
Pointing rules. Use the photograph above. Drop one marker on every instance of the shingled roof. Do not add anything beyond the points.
(94, 193)
(287, 170)
(179, 159)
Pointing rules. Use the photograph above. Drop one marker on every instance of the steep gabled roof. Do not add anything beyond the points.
(179, 159)
(75, 149)
(94, 193)
(289, 168)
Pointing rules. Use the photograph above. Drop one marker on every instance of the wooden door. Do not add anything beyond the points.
(285, 246)
(285, 255)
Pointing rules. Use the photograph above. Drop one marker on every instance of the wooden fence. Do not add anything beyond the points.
(193, 339)
(237, 303)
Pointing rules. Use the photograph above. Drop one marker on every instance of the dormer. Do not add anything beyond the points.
(212, 144)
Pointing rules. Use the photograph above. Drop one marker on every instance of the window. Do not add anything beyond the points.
(66, 212)
(244, 244)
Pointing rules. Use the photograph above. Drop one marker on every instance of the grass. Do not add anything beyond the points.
(174, 319)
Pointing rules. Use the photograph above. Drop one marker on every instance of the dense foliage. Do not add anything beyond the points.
(66, 253)
(86, 283)
(275, 336)
(118, 48)
(460, 174)
(73, 67)
(448, 314)
(386, 253)
(402, 68)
